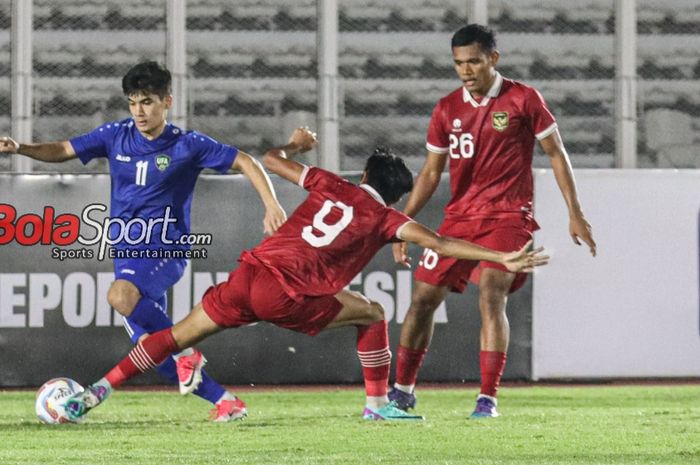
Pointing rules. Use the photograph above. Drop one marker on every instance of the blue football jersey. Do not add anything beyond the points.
(148, 176)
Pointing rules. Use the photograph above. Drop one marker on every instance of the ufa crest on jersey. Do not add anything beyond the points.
(162, 162)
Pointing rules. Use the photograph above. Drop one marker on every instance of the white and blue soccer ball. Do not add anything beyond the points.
(50, 399)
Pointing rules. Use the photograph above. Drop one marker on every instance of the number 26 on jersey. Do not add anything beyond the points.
(461, 146)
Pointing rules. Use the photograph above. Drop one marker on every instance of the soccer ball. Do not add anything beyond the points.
(50, 399)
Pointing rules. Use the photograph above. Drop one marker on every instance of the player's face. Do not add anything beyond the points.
(475, 68)
(149, 112)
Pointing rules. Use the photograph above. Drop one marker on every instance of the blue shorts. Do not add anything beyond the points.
(151, 277)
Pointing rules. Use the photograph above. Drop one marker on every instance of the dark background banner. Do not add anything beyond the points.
(55, 321)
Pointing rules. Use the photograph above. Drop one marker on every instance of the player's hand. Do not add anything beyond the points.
(8, 145)
(580, 230)
(303, 138)
(523, 261)
(274, 218)
(399, 249)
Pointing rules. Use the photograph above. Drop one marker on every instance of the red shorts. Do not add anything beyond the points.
(502, 235)
(252, 294)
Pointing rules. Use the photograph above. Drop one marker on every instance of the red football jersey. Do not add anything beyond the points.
(329, 238)
(490, 145)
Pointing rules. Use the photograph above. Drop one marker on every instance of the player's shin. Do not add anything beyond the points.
(491, 365)
(147, 354)
(150, 315)
(375, 358)
(408, 363)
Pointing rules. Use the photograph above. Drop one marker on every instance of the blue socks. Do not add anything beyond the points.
(150, 316)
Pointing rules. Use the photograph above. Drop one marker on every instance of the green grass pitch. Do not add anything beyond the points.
(539, 425)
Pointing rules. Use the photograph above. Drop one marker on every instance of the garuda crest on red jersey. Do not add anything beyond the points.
(499, 119)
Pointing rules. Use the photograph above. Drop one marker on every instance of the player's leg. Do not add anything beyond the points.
(356, 310)
(269, 302)
(372, 343)
(169, 370)
(148, 353)
(133, 299)
(434, 277)
(372, 351)
(143, 315)
(495, 283)
(494, 286)
(139, 289)
(416, 334)
(139, 294)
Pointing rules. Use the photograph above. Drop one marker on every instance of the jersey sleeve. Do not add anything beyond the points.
(541, 119)
(394, 221)
(212, 153)
(437, 140)
(94, 144)
(314, 178)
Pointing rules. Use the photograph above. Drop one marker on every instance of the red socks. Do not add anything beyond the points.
(408, 362)
(147, 354)
(375, 357)
(492, 365)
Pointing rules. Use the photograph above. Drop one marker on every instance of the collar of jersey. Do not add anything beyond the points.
(375, 195)
(169, 131)
(493, 92)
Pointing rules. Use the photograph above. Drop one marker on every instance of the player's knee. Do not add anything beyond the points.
(424, 304)
(375, 311)
(495, 284)
(493, 299)
(122, 299)
(119, 302)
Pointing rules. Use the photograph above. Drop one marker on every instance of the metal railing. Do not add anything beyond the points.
(249, 71)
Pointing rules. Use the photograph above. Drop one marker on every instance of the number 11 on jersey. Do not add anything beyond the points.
(141, 170)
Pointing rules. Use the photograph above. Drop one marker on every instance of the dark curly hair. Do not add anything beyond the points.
(388, 175)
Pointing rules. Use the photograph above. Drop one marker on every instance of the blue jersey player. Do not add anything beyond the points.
(153, 168)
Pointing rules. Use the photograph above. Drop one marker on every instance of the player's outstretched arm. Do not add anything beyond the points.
(579, 228)
(521, 261)
(251, 168)
(424, 187)
(52, 152)
(278, 159)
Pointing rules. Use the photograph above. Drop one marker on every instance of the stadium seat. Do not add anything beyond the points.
(5, 18)
(679, 157)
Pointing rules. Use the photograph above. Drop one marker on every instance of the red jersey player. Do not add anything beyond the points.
(486, 129)
(295, 279)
